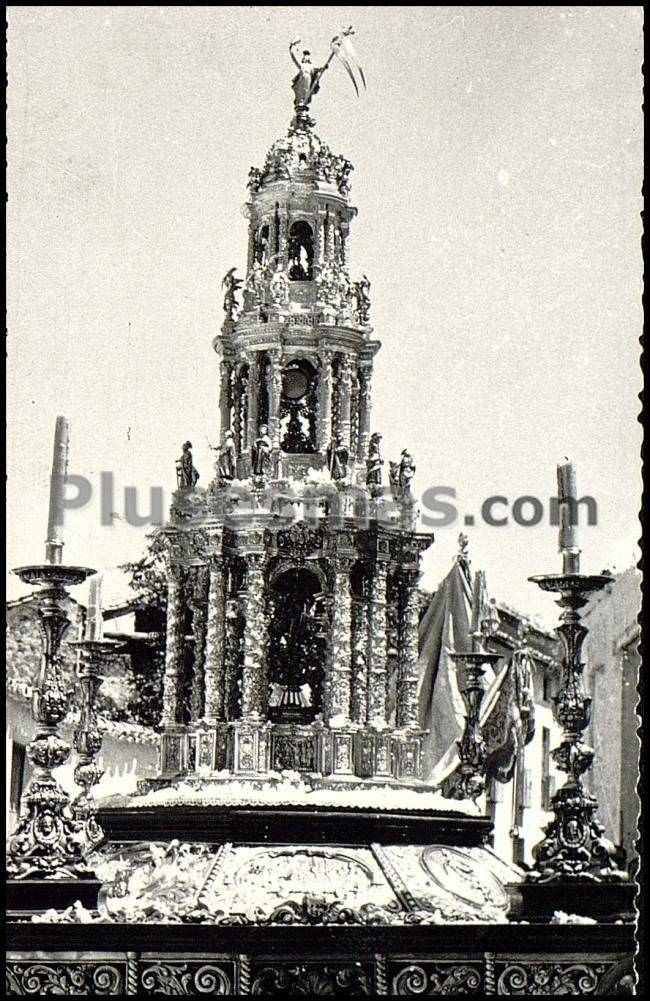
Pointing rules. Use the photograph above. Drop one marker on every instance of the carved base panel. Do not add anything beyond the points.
(256, 748)
(99, 974)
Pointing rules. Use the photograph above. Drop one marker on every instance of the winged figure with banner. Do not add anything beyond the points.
(306, 82)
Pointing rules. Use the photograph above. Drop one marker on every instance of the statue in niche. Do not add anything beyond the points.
(337, 459)
(227, 457)
(186, 475)
(255, 282)
(232, 286)
(361, 290)
(374, 462)
(261, 452)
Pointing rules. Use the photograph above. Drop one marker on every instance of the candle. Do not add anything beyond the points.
(95, 617)
(54, 542)
(566, 481)
(478, 596)
(568, 515)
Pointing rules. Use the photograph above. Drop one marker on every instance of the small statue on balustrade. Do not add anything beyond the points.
(343, 177)
(361, 290)
(227, 457)
(254, 179)
(186, 475)
(337, 459)
(261, 453)
(374, 462)
(400, 475)
(406, 473)
(232, 286)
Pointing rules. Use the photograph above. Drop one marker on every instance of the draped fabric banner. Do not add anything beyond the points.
(506, 712)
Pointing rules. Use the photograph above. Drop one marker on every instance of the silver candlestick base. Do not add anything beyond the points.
(468, 781)
(48, 842)
(574, 847)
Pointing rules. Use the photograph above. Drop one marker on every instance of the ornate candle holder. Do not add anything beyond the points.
(468, 781)
(48, 842)
(574, 847)
(574, 854)
(88, 738)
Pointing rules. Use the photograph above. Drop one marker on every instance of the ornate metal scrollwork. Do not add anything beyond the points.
(64, 978)
(311, 980)
(532, 978)
(438, 978)
(186, 978)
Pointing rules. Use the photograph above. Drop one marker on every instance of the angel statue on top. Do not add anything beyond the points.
(306, 82)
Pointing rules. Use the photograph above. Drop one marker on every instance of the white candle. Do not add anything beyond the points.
(568, 512)
(54, 542)
(95, 617)
(566, 481)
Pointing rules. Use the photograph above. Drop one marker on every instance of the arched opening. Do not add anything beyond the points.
(298, 407)
(262, 244)
(297, 645)
(301, 252)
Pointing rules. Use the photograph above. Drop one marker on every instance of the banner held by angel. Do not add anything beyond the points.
(306, 82)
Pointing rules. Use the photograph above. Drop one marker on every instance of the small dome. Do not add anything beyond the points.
(302, 155)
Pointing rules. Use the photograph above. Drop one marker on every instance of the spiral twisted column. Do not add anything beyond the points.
(253, 390)
(339, 687)
(324, 427)
(360, 637)
(345, 400)
(254, 679)
(365, 407)
(175, 646)
(225, 398)
(214, 700)
(378, 646)
(407, 701)
(200, 577)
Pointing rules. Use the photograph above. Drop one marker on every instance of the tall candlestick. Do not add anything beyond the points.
(568, 516)
(95, 618)
(54, 541)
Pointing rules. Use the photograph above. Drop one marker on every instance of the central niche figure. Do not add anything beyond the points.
(297, 642)
(301, 252)
(298, 408)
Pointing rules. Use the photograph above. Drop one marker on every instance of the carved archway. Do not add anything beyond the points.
(297, 644)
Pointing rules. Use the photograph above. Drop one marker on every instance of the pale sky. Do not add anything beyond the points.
(498, 172)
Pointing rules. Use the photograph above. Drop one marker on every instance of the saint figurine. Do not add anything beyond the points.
(374, 462)
(186, 475)
(261, 452)
(361, 290)
(232, 286)
(406, 473)
(337, 459)
(227, 457)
